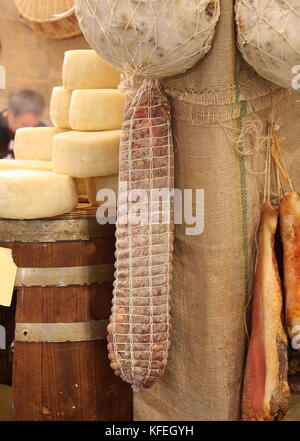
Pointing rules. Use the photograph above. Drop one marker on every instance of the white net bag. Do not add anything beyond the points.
(147, 39)
(151, 38)
(269, 38)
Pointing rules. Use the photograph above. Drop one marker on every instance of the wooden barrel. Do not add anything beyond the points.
(64, 289)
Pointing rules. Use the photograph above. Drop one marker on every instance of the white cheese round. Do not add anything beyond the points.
(151, 38)
(60, 107)
(87, 154)
(97, 109)
(35, 143)
(269, 38)
(33, 194)
(84, 69)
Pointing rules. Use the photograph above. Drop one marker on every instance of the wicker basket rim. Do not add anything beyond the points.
(42, 11)
(57, 33)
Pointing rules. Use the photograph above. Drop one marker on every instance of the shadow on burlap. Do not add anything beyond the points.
(212, 106)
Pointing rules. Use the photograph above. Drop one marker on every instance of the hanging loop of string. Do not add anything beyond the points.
(277, 155)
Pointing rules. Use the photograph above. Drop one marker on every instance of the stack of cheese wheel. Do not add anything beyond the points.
(80, 154)
(91, 108)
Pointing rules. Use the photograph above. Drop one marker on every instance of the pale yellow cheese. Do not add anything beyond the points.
(35, 143)
(60, 107)
(97, 109)
(86, 154)
(85, 69)
(32, 194)
(6, 164)
(8, 271)
(94, 185)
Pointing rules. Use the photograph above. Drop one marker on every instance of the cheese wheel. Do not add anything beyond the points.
(84, 69)
(60, 107)
(97, 109)
(93, 185)
(32, 194)
(87, 154)
(35, 143)
(6, 164)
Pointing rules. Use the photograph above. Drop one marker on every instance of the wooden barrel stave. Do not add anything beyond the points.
(62, 254)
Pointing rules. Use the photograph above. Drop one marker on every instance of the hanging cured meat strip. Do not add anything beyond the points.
(290, 235)
(266, 390)
(139, 327)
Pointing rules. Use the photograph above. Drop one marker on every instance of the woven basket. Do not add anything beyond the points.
(50, 18)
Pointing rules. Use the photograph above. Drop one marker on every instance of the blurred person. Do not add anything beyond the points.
(25, 107)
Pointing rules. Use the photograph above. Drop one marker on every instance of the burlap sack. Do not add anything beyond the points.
(212, 105)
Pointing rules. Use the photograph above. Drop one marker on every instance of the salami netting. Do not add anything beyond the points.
(139, 325)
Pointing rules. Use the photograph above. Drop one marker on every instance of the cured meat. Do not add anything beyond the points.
(290, 235)
(266, 391)
(138, 333)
